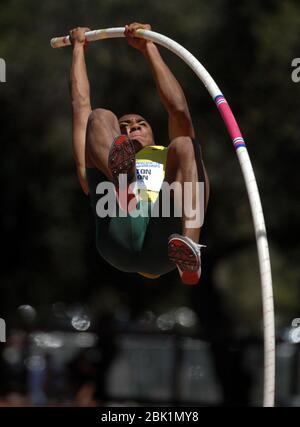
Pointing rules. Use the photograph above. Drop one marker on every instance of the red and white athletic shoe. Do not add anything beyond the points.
(121, 161)
(186, 254)
(121, 158)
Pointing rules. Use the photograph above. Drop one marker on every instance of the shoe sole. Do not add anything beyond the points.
(121, 158)
(183, 255)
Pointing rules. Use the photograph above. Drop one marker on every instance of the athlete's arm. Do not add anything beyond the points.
(81, 104)
(169, 90)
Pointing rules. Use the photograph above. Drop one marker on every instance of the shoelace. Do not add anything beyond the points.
(195, 245)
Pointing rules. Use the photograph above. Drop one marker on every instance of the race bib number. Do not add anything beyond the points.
(149, 175)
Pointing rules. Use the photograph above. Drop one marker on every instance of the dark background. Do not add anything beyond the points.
(50, 262)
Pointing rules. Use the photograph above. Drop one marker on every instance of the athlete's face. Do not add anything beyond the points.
(136, 127)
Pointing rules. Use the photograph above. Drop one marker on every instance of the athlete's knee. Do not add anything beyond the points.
(181, 147)
(101, 116)
(101, 125)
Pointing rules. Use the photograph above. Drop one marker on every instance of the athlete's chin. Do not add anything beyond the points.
(141, 142)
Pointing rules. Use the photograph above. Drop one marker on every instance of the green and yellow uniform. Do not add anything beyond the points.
(137, 243)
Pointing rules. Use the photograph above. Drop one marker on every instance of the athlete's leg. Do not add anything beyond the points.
(185, 164)
(102, 128)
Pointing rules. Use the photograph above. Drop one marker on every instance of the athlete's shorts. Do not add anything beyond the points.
(137, 244)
